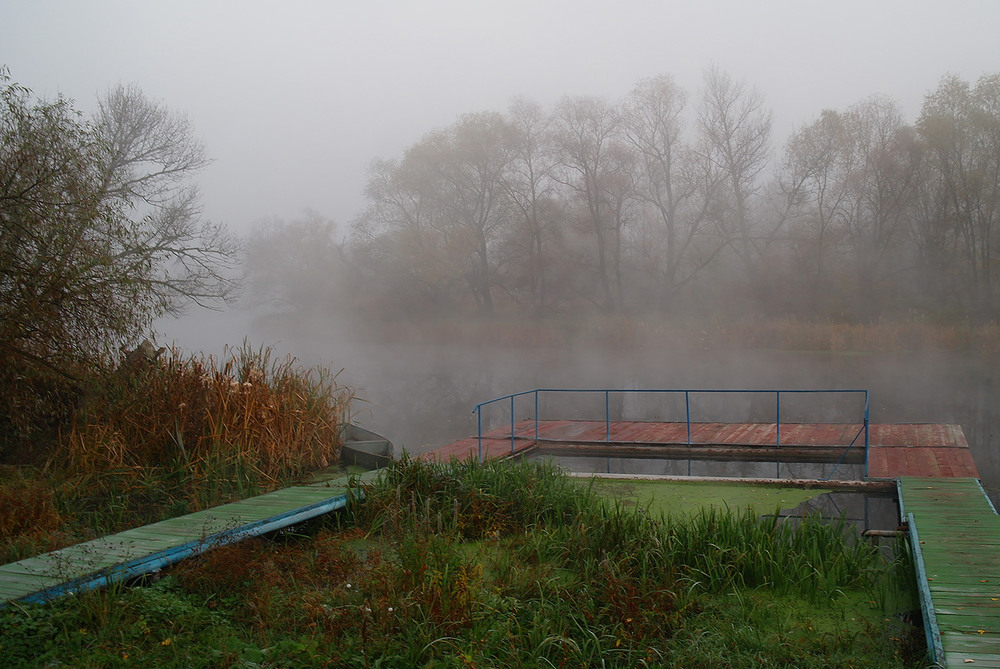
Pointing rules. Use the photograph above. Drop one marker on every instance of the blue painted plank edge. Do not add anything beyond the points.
(169, 556)
(931, 629)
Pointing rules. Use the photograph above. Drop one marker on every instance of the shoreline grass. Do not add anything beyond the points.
(503, 564)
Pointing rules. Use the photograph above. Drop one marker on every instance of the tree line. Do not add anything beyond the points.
(658, 202)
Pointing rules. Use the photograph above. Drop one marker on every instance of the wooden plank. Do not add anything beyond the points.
(960, 548)
(154, 543)
(720, 452)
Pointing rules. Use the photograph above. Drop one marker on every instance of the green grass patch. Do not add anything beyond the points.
(498, 565)
(687, 498)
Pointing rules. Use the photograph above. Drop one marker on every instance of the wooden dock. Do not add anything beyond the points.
(955, 533)
(912, 449)
(146, 549)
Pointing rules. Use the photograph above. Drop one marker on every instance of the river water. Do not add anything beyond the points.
(422, 397)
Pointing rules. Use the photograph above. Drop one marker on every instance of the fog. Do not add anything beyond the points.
(421, 396)
(295, 101)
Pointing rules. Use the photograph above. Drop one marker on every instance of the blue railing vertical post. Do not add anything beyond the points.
(866, 434)
(777, 418)
(777, 430)
(687, 413)
(687, 418)
(479, 431)
(607, 416)
(536, 416)
(512, 425)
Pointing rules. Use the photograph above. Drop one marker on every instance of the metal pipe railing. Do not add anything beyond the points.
(478, 410)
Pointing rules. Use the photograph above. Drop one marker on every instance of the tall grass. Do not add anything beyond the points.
(495, 565)
(518, 565)
(178, 434)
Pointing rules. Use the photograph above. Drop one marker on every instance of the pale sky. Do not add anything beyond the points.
(294, 99)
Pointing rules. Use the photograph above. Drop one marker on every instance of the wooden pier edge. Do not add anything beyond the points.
(872, 485)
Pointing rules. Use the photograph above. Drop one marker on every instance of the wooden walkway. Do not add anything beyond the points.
(146, 549)
(913, 449)
(955, 532)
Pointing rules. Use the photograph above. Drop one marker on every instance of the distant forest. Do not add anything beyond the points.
(660, 203)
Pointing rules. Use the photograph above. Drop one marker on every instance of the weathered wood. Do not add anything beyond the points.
(714, 452)
(872, 486)
(128, 553)
(958, 549)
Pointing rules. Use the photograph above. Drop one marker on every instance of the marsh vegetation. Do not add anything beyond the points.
(461, 564)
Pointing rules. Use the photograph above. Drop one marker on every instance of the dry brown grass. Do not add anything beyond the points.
(212, 428)
(30, 520)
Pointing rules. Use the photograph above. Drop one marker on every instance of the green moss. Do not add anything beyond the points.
(686, 498)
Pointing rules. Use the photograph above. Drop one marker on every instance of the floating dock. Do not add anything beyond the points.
(894, 450)
(954, 528)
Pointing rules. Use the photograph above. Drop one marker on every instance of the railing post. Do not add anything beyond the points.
(687, 415)
(607, 416)
(777, 418)
(777, 431)
(512, 425)
(479, 430)
(866, 434)
(687, 412)
(536, 416)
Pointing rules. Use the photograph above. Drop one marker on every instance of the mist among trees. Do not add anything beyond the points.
(673, 203)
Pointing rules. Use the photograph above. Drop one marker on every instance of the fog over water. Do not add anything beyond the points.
(422, 396)
(295, 101)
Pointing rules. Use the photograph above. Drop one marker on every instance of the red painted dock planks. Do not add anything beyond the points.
(913, 449)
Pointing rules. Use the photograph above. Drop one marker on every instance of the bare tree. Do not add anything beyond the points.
(960, 127)
(101, 230)
(736, 131)
(444, 209)
(881, 190)
(295, 267)
(588, 138)
(673, 183)
(530, 187)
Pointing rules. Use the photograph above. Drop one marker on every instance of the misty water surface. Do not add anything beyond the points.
(422, 396)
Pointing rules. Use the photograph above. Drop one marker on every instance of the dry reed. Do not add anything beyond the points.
(246, 423)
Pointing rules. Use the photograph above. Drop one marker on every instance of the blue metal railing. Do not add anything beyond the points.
(687, 393)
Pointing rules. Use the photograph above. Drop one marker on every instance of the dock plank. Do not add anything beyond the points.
(959, 549)
(60, 572)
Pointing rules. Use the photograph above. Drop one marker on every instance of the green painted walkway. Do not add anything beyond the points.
(146, 549)
(957, 533)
